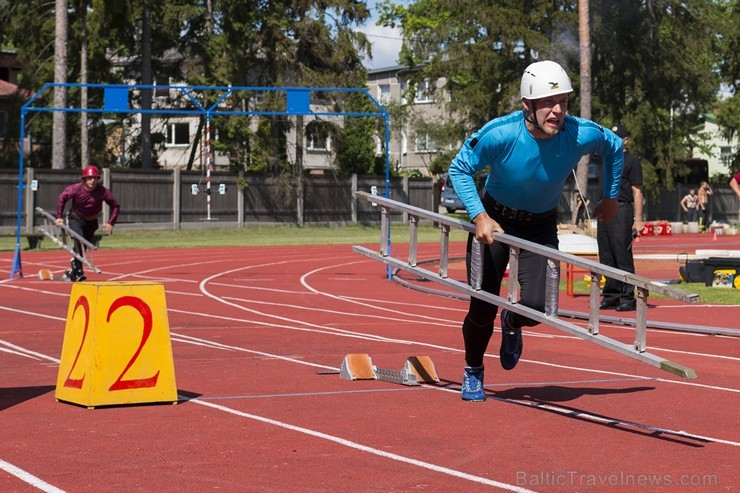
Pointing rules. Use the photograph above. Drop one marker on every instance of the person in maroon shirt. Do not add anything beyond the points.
(735, 184)
(87, 199)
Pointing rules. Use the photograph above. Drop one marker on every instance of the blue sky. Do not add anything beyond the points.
(386, 42)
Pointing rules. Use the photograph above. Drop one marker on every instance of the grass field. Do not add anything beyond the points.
(309, 235)
(251, 236)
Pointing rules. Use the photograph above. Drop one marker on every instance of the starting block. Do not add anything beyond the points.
(46, 275)
(416, 369)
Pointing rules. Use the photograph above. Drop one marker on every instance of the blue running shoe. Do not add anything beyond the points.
(511, 343)
(472, 387)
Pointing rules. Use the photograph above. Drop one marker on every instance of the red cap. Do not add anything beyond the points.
(90, 170)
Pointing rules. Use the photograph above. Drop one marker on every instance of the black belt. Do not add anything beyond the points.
(510, 214)
(86, 218)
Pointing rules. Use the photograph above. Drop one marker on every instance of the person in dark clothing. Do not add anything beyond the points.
(87, 199)
(704, 208)
(615, 238)
(581, 210)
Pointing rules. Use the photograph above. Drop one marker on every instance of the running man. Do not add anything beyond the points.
(531, 153)
(87, 199)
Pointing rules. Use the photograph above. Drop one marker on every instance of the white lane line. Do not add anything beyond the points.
(342, 333)
(347, 300)
(29, 478)
(336, 312)
(364, 448)
(601, 419)
(25, 352)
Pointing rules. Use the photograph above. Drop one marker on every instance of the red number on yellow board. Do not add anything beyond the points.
(146, 315)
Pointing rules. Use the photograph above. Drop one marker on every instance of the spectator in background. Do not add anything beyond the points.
(704, 207)
(690, 205)
(581, 210)
(735, 184)
(615, 238)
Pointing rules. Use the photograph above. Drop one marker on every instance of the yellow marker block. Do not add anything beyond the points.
(117, 346)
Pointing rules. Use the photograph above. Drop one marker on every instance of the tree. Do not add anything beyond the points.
(584, 38)
(355, 146)
(654, 65)
(655, 71)
(728, 114)
(59, 139)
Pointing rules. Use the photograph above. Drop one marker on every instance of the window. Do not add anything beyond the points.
(424, 92)
(424, 143)
(178, 134)
(318, 137)
(725, 154)
(384, 93)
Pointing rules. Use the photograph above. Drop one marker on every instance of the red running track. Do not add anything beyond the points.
(258, 335)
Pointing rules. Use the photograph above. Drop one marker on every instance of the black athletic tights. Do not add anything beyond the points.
(477, 327)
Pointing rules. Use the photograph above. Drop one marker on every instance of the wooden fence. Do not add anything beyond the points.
(166, 199)
(158, 199)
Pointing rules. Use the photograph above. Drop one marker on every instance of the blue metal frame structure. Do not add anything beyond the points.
(117, 98)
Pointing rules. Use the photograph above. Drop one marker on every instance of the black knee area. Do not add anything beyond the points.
(476, 337)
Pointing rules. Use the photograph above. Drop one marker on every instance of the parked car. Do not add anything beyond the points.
(449, 199)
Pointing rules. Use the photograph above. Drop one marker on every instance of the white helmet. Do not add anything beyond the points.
(543, 79)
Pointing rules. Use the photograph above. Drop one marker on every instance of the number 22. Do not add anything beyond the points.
(120, 383)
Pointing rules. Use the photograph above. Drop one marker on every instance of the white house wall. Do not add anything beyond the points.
(717, 161)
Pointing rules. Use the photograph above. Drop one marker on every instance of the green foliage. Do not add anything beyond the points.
(234, 140)
(654, 64)
(441, 162)
(355, 145)
(238, 43)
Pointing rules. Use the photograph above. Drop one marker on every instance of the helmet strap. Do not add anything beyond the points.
(533, 115)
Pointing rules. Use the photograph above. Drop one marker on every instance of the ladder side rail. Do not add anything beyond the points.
(67, 235)
(572, 329)
(65, 228)
(551, 253)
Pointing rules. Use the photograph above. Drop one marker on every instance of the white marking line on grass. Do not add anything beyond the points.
(364, 448)
(28, 478)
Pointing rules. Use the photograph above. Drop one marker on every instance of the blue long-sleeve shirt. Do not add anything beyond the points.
(528, 173)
